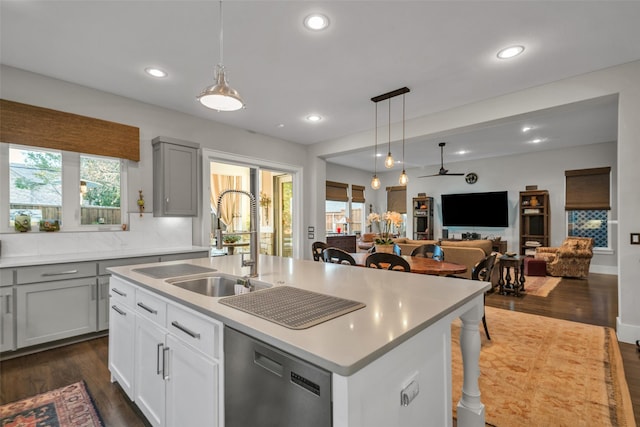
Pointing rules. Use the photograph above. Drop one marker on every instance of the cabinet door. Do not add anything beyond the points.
(7, 313)
(55, 310)
(150, 368)
(192, 387)
(175, 179)
(121, 346)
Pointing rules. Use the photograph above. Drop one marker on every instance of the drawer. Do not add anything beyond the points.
(47, 273)
(195, 329)
(151, 307)
(121, 292)
(6, 276)
(103, 265)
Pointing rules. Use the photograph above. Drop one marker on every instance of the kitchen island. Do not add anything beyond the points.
(401, 339)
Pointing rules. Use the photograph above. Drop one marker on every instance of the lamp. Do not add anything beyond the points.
(388, 162)
(404, 179)
(220, 96)
(375, 181)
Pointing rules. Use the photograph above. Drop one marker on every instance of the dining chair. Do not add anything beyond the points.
(429, 251)
(387, 261)
(316, 250)
(482, 271)
(337, 256)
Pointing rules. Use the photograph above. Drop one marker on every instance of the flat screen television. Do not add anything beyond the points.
(489, 209)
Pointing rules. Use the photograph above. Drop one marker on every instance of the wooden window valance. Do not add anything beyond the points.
(397, 199)
(337, 191)
(41, 127)
(357, 193)
(587, 189)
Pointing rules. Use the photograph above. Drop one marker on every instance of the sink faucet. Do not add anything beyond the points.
(253, 239)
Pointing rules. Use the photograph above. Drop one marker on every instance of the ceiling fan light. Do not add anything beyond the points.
(404, 179)
(375, 182)
(221, 96)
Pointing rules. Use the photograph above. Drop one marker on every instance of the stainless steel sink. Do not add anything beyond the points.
(217, 285)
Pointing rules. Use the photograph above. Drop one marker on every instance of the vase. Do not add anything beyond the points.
(387, 249)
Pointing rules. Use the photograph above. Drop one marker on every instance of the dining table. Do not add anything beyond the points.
(420, 265)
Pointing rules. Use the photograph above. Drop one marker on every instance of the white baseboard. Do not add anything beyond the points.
(626, 332)
(604, 269)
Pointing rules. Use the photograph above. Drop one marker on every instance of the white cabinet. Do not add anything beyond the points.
(175, 358)
(175, 177)
(55, 310)
(122, 334)
(7, 314)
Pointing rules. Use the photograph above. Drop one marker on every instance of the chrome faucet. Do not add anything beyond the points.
(253, 238)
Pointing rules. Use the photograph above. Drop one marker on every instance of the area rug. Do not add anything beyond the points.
(540, 286)
(538, 371)
(70, 406)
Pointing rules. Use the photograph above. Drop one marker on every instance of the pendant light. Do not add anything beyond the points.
(404, 179)
(375, 181)
(220, 96)
(388, 162)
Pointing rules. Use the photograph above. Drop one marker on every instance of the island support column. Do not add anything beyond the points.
(470, 409)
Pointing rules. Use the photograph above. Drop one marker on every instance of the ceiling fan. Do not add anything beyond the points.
(442, 171)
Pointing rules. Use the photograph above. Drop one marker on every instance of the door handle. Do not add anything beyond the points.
(158, 368)
(8, 304)
(147, 308)
(117, 310)
(122, 294)
(268, 363)
(165, 363)
(186, 330)
(61, 273)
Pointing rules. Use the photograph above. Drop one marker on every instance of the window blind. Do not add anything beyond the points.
(41, 127)
(357, 193)
(397, 199)
(337, 191)
(587, 189)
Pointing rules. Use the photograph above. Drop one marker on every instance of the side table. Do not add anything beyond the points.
(506, 285)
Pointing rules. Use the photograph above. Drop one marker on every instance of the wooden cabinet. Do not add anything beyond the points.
(422, 208)
(343, 241)
(7, 316)
(534, 221)
(172, 360)
(175, 177)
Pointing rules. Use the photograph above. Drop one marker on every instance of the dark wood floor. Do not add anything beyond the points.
(592, 301)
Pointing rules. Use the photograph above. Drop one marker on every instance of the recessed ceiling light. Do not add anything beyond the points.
(155, 72)
(536, 141)
(314, 118)
(510, 52)
(461, 152)
(316, 22)
(280, 125)
(526, 129)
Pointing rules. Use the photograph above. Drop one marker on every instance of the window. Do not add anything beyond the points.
(59, 189)
(99, 190)
(357, 215)
(336, 207)
(587, 202)
(35, 186)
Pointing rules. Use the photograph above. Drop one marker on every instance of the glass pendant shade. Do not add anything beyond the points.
(375, 182)
(388, 162)
(221, 96)
(404, 179)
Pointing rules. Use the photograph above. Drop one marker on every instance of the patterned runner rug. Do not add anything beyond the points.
(540, 286)
(70, 406)
(538, 371)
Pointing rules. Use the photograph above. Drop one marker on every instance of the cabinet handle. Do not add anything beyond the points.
(60, 273)
(165, 362)
(167, 200)
(93, 292)
(8, 304)
(158, 368)
(122, 294)
(118, 310)
(186, 330)
(149, 309)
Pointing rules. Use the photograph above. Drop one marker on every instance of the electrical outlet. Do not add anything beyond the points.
(635, 238)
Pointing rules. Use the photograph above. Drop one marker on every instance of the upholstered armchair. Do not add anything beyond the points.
(571, 259)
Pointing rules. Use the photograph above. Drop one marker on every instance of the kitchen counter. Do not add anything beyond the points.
(402, 335)
(23, 261)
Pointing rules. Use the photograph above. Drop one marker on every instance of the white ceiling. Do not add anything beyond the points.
(444, 51)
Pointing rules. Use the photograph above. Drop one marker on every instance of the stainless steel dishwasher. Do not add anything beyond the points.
(266, 387)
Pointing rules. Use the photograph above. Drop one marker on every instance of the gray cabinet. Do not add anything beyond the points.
(175, 177)
(7, 316)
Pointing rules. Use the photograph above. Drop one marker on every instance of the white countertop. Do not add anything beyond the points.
(398, 306)
(24, 261)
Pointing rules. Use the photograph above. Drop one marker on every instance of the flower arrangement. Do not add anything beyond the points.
(386, 223)
(231, 238)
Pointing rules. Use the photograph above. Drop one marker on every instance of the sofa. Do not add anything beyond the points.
(466, 252)
(571, 259)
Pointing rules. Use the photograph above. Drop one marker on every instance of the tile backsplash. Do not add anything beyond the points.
(143, 232)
